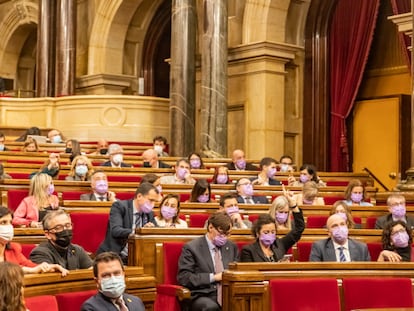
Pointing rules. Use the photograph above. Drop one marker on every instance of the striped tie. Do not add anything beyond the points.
(342, 257)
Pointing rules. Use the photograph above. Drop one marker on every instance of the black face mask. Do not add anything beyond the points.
(147, 164)
(103, 151)
(68, 150)
(64, 237)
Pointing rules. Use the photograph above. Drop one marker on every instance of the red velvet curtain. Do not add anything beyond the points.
(400, 7)
(350, 39)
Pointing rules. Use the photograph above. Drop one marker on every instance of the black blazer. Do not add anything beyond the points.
(120, 226)
(163, 165)
(249, 167)
(99, 302)
(195, 265)
(382, 221)
(253, 252)
(257, 199)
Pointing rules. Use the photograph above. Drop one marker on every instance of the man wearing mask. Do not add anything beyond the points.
(101, 147)
(127, 215)
(229, 205)
(202, 262)
(100, 192)
(238, 162)
(150, 160)
(160, 143)
(245, 193)
(268, 171)
(397, 211)
(286, 164)
(116, 157)
(58, 249)
(55, 137)
(109, 275)
(182, 174)
(338, 247)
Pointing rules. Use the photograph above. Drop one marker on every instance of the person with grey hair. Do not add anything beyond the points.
(397, 211)
(182, 174)
(116, 157)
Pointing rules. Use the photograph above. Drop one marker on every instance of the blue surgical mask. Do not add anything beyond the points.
(56, 139)
(81, 170)
(113, 287)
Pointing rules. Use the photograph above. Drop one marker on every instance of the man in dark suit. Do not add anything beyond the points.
(202, 262)
(268, 168)
(150, 159)
(127, 215)
(109, 276)
(245, 193)
(338, 247)
(116, 157)
(238, 162)
(99, 184)
(397, 211)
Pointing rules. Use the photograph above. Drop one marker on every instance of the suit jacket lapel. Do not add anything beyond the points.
(330, 251)
(353, 250)
(205, 253)
(130, 213)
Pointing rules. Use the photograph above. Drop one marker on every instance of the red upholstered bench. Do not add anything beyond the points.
(73, 301)
(27, 249)
(316, 221)
(198, 220)
(15, 196)
(303, 250)
(42, 303)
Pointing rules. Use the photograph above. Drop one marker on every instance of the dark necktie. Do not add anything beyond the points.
(138, 220)
(218, 266)
(121, 304)
(342, 257)
(101, 198)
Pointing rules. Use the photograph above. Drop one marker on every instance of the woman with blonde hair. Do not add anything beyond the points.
(33, 208)
(280, 211)
(309, 195)
(30, 145)
(341, 208)
(81, 169)
(11, 287)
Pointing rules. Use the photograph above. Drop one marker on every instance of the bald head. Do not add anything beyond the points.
(237, 154)
(150, 158)
(335, 220)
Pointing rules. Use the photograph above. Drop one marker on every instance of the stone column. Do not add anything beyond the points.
(66, 47)
(213, 117)
(182, 80)
(45, 68)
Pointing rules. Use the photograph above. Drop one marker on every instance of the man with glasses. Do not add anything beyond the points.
(58, 249)
(202, 262)
(109, 276)
(397, 211)
(245, 193)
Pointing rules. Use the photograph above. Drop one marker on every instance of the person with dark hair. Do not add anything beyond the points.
(150, 160)
(196, 162)
(201, 192)
(344, 210)
(203, 261)
(286, 164)
(396, 242)
(267, 173)
(2, 142)
(221, 175)
(355, 193)
(307, 173)
(153, 179)
(229, 205)
(100, 192)
(267, 247)
(182, 174)
(73, 148)
(109, 275)
(31, 131)
(58, 249)
(127, 215)
(170, 212)
(160, 143)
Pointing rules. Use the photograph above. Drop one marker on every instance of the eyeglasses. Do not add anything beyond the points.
(60, 228)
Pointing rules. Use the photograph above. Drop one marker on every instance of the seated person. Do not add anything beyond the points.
(203, 261)
(245, 193)
(309, 195)
(238, 162)
(396, 242)
(169, 213)
(41, 199)
(153, 179)
(201, 192)
(355, 193)
(12, 252)
(221, 176)
(182, 174)
(196, 162)
(2, 141)
(28, 133)
(100, 192)
(109, 275)
(280, 211)
(55, 136)
(338, 247)
(116, 157)
(50, 167)
(286, 164)
(101, 147)
(58, 249)
(81, 169)
(229, 205)
(150, 160)
(73, 148)
(307, 173)
(344, 210)
(267, 174)
(160, 143)
(30, 145)
(127, 215)
(11, 282)
(397, 211)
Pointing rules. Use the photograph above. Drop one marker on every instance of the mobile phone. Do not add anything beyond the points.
(286, 258)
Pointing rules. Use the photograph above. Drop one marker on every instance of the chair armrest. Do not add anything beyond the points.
(178, 291)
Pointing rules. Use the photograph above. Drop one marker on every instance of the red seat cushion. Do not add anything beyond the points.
(316, 221)
(15, 196)
(370, 224)
(27, 249)
(304, 249)
(198, 220)
(71, 195)
(374, 248)
(42, 303)
(320, 294)
(74, 300)
(125, 178)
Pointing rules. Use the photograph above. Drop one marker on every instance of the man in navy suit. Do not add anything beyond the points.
(203, 260)
(338, 247)
(127, 215)
(109, 276)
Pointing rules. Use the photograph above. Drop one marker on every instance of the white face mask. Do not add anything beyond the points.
(158, 149)
(6, 232)
(117, 159)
